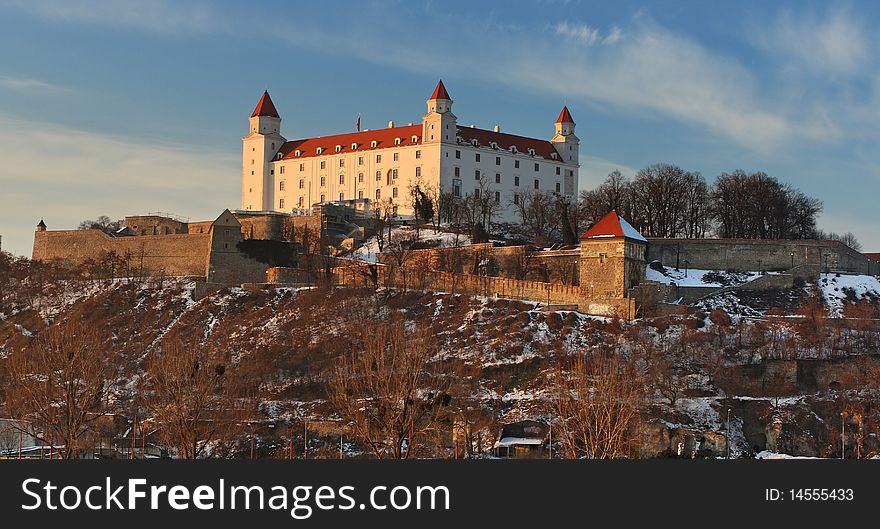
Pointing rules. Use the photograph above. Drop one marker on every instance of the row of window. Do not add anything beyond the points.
(301, 201)
(477, 158)
(360, 160)
(392, 176)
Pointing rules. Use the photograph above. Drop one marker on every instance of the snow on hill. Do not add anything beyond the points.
(838, 289)
(369, 250)
(695, 277)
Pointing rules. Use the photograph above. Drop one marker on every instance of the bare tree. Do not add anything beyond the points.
(189, 390)
(597, 402)
(386, 390)
(59, 385)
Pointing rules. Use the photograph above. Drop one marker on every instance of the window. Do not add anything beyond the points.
(297, 153)
(323, 164)
(378, 158)
(378, 194)
(458, 154)
(497, 197)
(339, 148)
(301, 201)
(516, 181)
(360, 178)
(281, 169)
(394, 174)
(354, 146)
(360, 160)
(395, 156)
(602, 257)
(360, 195)
(537, 168)
(378, 175)
(418, 153)
(458, 171)
(341, 196)
(516, 198)
(558, 187)
(271, 171)
(456, 188)
(374, 143)
(497, 160)
(319, 150)
(476, 174)
(418, 171)
(477, 157)
(477, 192)
(341, 179)
(397, 141)
(323, 198)
(323, 181)
(281, 185)
(302, 183)
(537, 184)
(342, 162)
(302, 167)
(516, 164)
(414, 139)
(281, 203)
(393, 192)
(497, 178)
(558, 171)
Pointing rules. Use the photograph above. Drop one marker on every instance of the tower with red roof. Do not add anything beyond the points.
(612, 262)
(439, 124)
(260, 146)
(567, 144)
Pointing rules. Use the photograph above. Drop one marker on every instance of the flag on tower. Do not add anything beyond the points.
(359, 123)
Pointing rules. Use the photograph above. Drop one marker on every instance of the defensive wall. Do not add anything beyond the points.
(812, 256)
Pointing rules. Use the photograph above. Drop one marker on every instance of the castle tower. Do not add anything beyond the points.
(439, 124)
(259, 147)
(612, 261)
(41, 226)
(564, 140)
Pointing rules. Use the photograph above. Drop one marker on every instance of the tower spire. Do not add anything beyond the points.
(265, 107)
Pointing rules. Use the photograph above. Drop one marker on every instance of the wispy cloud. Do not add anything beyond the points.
(65, 175)
(833, 42)
(585, 34)
(24, 84)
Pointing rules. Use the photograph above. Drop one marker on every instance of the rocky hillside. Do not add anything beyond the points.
(785, 379)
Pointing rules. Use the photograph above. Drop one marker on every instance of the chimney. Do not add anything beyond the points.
(473, 126)
(390, 124)
(497, 128)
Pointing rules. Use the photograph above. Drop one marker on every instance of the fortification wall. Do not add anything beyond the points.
(179, 255)
(759, 255)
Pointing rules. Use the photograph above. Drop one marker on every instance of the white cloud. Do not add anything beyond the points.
(24, 84)
(65, 175)
(585, 34)
(834, 43)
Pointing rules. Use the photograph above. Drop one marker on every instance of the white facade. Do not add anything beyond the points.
(280, 175)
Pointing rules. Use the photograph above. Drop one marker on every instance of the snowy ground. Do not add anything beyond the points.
(695, 277)
(837, 289)
(370, 249)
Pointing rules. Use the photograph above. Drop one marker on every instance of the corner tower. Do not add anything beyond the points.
(439, 124)
(612, 261)
(564, 140)
(259, 147)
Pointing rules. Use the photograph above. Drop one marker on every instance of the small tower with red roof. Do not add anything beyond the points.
(439, 124)
(566, 142)
(260, 146)
(612, 261)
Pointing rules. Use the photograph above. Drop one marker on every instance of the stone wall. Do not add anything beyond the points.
(178, 255)
(760, 255)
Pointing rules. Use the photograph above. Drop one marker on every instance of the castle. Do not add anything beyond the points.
(383, 165)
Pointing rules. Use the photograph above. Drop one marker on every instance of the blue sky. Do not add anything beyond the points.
(131, 107)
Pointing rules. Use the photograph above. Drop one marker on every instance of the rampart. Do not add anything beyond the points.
(812, 256)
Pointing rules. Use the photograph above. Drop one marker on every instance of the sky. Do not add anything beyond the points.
(121, 108)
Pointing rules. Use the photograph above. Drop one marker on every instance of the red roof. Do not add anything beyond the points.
(612, 225)
(484, 138)
(440, 92)
(384, 138)
(564, 116)
(265, 107)
(873, 255)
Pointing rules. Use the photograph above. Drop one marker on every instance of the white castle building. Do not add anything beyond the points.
(377, 165)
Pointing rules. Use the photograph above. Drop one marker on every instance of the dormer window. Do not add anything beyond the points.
(373, 144)
(297, 152)
(531, 152)
(339, 148)
(414, 139)
(513, 149)
(354, 146)
(474, 143)
(278, 156)
(319, 150)
(397, 141)
(553, 155)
